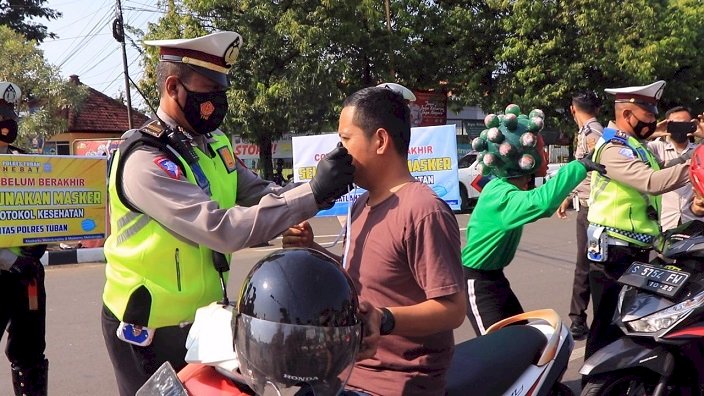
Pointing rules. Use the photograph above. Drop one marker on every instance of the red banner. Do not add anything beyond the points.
(430, 108)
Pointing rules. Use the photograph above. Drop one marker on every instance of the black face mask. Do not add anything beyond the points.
(205, 111)
(8, 131)
(644, 129)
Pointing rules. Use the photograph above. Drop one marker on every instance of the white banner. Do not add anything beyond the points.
(432, 159)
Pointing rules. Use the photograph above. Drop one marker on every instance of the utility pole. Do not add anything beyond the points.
(118, 32)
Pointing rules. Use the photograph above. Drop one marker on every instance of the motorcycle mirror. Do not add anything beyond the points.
(690, 247)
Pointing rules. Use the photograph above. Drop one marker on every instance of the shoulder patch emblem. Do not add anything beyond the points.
(168, 166)
(627, 152)
(227, 159)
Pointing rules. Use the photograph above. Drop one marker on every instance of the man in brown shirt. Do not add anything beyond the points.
(403, 254)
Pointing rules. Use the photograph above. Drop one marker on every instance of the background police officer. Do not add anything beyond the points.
(181, 203)
(22, 294)
(584, 108)
(625, 205)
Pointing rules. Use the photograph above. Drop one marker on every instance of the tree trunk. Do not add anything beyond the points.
(265, 163)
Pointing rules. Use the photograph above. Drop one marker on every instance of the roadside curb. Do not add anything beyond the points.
(73, 256)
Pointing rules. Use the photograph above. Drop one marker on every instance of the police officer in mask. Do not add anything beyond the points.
(23, 307)
(181, 203)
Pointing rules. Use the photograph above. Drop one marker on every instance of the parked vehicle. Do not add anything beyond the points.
(661, 313)
(521, 359)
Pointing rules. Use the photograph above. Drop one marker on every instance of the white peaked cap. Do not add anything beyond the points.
(212, 55)
(9, 96)
(407, 93)
(10, 92)
(646, 96)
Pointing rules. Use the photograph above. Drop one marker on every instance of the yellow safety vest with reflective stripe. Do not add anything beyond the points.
(620, 208)
(152, 275)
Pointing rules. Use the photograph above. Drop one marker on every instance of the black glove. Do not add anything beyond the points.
(590, 165)
(333, 176)
(27, 268)
(34, 251)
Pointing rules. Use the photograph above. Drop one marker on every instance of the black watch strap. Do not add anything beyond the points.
(387, 322)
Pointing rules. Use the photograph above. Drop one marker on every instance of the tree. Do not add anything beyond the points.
(17, 15)
(302, 58)
(45, 96)
(536, 53)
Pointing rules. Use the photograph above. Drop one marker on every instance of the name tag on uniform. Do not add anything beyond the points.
(227, 159)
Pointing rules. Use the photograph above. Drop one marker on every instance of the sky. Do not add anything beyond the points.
(85, 45)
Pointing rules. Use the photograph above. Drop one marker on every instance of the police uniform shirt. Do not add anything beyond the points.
(625, 167)
(7, 258)
(673, 202)
(588, 135)
(263, 209)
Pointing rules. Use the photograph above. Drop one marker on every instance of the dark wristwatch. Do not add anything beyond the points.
(387, 322)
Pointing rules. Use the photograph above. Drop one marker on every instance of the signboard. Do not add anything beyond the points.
(430, 108)
(95, 147)
(250, 151)
(432, 159)
(51, 199)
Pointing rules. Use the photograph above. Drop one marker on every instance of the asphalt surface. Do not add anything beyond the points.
(541, 275)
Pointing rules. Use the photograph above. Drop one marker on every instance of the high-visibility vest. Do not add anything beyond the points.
(620, 208)
(153, 277)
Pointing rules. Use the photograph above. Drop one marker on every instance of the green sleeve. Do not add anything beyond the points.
(523, 207)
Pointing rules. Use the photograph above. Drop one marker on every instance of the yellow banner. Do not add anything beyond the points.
(45, 199)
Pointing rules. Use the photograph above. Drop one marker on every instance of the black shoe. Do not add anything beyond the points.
(579, 330)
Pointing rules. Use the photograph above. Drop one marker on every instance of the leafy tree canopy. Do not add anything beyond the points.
(19, 15)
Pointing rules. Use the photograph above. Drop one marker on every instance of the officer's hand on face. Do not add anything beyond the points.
(27, 269)
(590, 165)
(35, 251)
(300, 235)
(699, 133)
(371, 323)
(660, 130)
(333, 177)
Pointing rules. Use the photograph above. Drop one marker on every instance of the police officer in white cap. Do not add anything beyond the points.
(22, 294)
(625, 203)
(181, 203)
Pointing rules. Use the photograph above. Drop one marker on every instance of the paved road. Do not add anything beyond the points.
(541, 275)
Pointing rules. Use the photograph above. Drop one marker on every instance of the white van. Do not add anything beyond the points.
(469, 171)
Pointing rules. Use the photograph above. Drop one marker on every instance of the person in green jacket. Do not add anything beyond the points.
(512, 152)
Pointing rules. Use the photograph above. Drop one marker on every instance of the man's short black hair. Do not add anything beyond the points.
(677, 109)
(166, 69)
(587, 101)
(380, 107)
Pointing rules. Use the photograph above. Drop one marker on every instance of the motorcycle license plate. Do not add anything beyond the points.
(656, 279)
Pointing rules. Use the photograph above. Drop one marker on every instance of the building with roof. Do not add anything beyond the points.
(99, 117)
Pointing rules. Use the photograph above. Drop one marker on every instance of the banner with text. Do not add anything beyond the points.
(432, 159)
(46, 199)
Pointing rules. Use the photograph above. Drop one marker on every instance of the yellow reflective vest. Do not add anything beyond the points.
(153, 277)
(620, 208)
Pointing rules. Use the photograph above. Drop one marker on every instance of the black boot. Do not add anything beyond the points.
(30, 380)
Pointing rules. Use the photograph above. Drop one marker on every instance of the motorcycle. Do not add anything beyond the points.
(514, 358)
(660, 310)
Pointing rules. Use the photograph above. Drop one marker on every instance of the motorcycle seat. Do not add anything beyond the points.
(489, 364)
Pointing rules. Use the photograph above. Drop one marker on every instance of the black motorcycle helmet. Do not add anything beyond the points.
(296, 329)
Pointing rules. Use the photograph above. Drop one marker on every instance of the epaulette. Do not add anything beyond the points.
(153, 128)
